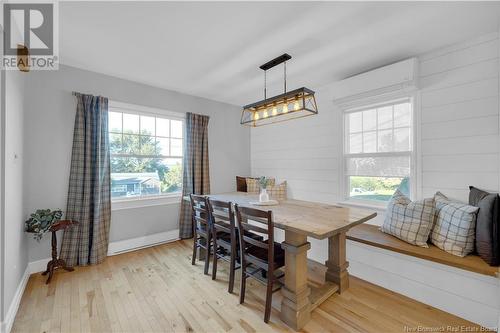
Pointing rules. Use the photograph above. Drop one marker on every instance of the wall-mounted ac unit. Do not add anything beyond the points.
(388, 80)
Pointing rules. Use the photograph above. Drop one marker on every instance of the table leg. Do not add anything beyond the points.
(295, 306)
(337, 263)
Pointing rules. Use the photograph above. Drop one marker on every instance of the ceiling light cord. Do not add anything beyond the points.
(284, 63)
(265, 85)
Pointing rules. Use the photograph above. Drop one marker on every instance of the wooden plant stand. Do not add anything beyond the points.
(56, 262)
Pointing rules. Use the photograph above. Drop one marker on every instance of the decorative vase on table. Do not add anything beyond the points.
(263, 196)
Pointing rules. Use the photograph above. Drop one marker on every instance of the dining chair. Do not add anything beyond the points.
(262, 256)
(202, 229)
(224, 237)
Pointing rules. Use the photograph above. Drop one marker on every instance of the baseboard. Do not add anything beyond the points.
(133, 244)
(6, 325)
(38, 266)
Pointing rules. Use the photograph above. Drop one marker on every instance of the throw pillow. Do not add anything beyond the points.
(487, 224)
(241, 184)
(455, 226)
(408, 220)
(277, 192)
(253, 185)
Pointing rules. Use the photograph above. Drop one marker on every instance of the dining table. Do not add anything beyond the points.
(302, 219)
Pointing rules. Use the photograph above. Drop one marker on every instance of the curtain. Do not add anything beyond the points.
(89, 196)
(196, 178)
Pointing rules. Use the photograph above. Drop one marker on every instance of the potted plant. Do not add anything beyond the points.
(263, 196)
(41, 221)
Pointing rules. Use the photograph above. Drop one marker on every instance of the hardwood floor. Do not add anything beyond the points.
(157, 290)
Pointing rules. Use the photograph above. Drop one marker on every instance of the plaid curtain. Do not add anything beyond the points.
(89, 198)
(196, 178)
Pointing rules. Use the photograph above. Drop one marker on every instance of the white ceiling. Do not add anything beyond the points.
(213, 49)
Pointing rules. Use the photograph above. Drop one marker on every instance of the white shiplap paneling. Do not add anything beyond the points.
(458, 146)
(460, 118)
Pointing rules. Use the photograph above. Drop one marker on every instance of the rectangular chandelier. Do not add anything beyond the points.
(293, 104)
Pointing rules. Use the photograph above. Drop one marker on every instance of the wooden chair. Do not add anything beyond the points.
(265, 256)
(224, 237)
(202, 229)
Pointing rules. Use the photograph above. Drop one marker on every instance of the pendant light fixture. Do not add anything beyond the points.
(289, 105)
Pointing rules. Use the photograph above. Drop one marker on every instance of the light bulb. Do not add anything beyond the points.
(275, 111)
(256, 116)
(264, 114)
(285, 108)
(296, 105)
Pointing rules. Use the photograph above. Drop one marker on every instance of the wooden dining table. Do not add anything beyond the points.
(301, 219)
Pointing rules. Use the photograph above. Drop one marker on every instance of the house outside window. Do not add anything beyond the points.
(378, 147)
(146, 148)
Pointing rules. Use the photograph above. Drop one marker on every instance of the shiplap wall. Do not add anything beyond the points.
(458, 146)
(460, 118)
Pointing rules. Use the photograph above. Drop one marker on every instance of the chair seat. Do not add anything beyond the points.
(260, 253)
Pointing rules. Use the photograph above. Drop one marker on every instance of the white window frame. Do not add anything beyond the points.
(414, 135)
(150, 200)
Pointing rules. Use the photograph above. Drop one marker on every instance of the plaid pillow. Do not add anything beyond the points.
(454, 230)
(253, 185)
(277, 192)
(409, 221)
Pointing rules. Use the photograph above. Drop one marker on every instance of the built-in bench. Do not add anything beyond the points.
(371, 235)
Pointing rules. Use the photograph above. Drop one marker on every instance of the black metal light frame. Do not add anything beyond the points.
(266, 112)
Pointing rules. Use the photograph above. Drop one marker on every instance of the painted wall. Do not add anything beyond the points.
(458, 146)
(48, 128)
(15, 249)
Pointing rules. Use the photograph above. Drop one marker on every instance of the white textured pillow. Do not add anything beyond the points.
(454, 230)
(409, 221)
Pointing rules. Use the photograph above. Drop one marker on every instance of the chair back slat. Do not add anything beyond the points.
(251, 227)
(222, 216)
(250, 240)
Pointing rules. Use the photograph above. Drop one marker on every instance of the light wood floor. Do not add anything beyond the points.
(157, 290)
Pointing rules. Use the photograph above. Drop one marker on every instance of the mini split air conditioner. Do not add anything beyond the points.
(392, 79)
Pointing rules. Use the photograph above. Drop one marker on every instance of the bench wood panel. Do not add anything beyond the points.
(371, 235)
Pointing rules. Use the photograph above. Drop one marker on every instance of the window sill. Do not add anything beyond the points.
(363, 204)
(131, 203)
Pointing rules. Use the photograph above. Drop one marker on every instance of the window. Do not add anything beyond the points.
(378, 150)
(146, 152)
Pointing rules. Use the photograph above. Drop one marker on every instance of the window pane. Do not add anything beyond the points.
(386, 166)
(355, 143)
(171, 179)
(355, 122)
(402, 115)
(162, 146)
(373, 188)
(115, 122)
(115, 143)
(176, 147)
(131, 144)
(384, 117)
(135, 177)
(402, 139)
(369, 120)
(162, 127)
(385, 141)
(147, 125)
(176, 126)
(130, 123)
(370, 142)
(148, 145)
